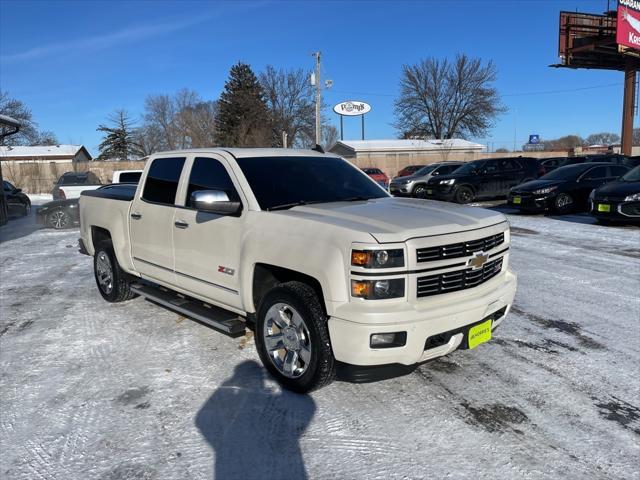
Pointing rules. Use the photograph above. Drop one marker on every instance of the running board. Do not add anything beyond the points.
(215, 317)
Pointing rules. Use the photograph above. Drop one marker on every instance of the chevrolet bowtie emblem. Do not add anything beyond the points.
(478, 261)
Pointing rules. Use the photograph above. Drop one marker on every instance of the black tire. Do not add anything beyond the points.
(420, 191)
(464, 195)
(59, 220)
(563, 203)
(116, 288)
(320, 370)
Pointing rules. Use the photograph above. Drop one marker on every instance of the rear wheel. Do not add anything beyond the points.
(112, 281)
(292, 338)
(59, 219)
(464, 195)
(563, 203)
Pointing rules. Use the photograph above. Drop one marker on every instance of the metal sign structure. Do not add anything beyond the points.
(605, 42)
(351, 108)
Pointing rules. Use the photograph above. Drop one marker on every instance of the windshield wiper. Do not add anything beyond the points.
(285, 206)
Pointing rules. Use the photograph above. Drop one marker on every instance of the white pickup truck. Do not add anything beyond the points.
(331, 273)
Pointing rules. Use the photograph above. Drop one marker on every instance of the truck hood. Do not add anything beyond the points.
(391, 219)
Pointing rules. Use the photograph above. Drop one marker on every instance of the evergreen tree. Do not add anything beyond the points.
(243, 118)
(119, 141)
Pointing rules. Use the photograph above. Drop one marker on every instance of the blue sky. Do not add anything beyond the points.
(73, 63)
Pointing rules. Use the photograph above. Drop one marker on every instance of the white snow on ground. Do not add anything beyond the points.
(91, 390)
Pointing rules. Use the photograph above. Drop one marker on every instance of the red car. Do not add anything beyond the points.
(409, 170)
(378, 175)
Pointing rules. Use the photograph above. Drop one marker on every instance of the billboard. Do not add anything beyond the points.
(628, 31)
(352, 108)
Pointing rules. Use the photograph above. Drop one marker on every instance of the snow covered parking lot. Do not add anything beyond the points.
(91, 390)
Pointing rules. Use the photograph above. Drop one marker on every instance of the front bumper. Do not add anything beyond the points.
(441, 192)
(529, 202)
(350, 340)
(400, 189)
(617, 210)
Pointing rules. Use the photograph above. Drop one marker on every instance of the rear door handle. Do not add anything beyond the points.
(180, 224)
(136, 216)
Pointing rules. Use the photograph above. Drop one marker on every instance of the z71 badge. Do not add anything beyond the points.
(228, 271)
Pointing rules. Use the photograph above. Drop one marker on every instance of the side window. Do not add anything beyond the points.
(597, 172)
(617, 170)
(210, 174)
(7, 187)
(509, 164)
(130, 177)
(447, 169)
(490, 167)
(162, 180)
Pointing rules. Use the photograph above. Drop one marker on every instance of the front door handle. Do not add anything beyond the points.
(136, 216)
(180, 224)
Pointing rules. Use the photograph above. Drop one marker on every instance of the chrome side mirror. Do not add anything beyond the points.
(214, 201)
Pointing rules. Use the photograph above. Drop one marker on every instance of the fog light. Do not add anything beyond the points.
(388, 340)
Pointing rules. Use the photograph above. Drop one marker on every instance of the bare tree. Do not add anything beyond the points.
(29, 133)
(603, 138)
(291, 103)
(442, 99)
(183, 120)
(563, 143)
(329, 136)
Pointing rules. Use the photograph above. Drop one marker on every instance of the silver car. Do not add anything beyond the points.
(416, 185)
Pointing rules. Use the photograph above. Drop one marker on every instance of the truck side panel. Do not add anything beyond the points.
(113, 216)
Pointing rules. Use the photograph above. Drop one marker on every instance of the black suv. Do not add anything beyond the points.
(484, 179)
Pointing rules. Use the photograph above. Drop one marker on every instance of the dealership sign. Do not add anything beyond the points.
(351, 108)
(628, 31)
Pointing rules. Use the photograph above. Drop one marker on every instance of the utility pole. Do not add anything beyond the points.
(316, 81)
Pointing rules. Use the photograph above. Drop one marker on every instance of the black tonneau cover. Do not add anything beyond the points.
(115, 191)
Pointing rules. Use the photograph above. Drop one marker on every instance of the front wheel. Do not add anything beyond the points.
(292, 338)
(113, 283)
(464, 195)
(419, 192)
(563, 203)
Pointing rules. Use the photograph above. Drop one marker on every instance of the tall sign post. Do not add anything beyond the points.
(606, 42)
(351, 108)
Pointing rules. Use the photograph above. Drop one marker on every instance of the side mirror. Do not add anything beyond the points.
(214, 201)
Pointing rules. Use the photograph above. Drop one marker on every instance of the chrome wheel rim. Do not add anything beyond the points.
(286, 340)
(104, 272)
(420, 192)
(563, 200)
(59, 220)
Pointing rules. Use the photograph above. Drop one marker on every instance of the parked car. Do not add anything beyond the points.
(483, 179)
(58, 214)
(566, 189)
(409, 170)
(416, 185)
(328, 269)
(126, 176)
(618, 200)
(71, 184)
(550, 164)
(17, 202)
(378, 175)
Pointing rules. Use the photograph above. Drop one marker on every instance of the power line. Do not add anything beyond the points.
(547, 92)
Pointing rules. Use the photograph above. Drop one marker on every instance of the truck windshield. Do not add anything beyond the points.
(289, 181)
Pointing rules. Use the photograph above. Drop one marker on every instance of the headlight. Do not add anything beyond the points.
(543, 191)
(377, 258)
(450, 181)
(377, 289)
(633, 198)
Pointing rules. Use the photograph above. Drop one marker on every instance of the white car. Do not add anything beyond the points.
(71, 184)
(332, 273)
(126, 176)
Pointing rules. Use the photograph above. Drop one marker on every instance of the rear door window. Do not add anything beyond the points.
(490, 167)
(162, 180)
(617, 171)
(595, 173)
(210, 174)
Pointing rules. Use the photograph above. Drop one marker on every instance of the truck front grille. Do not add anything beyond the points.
(458, 280)
(456, 250)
